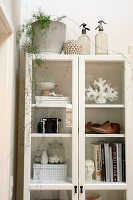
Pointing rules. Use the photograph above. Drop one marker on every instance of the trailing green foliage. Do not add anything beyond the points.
(28, 30)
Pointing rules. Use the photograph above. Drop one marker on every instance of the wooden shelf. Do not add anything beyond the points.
(104, 135)
(99, 185)
(104, 105)
(53, 135)
(50, 185)
(50, 105)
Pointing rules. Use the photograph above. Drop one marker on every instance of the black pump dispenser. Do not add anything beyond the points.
(84, 28)
(100, 27)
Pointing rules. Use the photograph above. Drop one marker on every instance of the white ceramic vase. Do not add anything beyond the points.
(44, 158)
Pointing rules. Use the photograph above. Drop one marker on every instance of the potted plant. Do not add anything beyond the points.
(41, 34)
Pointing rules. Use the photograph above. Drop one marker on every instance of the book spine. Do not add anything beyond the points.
(118, 166)
(107, 166)
(120, 161)
(123, 164)
(114, 156)
(97, 161)
(111, 164)
(103, 172)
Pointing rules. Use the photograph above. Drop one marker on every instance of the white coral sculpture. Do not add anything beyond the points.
(101, 93)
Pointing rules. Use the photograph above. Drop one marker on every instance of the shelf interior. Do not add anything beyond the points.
(106, 194)
(112, 72)
(58, 72)
(50, 194)
(41, 144)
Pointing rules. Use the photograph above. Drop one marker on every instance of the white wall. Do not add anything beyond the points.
(14, 11)
(117, 13)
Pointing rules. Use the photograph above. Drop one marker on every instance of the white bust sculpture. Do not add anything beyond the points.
(89, 169)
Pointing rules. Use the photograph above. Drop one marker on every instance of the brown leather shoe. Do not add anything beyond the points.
(89, 125)
(107, 127)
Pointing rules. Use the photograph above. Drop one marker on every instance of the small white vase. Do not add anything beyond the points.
(44, 158)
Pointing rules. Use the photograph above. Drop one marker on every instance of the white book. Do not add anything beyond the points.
(120, 160)
(118, 166)
(107, 163)
(96, 157)
(111, 164)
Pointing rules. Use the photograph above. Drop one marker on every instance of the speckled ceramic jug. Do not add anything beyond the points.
(50, 40)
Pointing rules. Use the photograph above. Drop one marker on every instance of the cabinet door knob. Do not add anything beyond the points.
(75, 188)
(81, 189)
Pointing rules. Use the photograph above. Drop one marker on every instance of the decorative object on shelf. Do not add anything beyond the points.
(101, 40)
(54, 159)
(89, 125)
(93, 197)
(46, 88)
(84, 40)
(63, 195)
(44, 158)
(49, 125)
(37, 158)
(89, 169)
(107, 127)
(101, 92)
(72, 47)
(42, 34)
(50, 172)
(109, 159)
(56, 99)
(96, 157)
(56, 149)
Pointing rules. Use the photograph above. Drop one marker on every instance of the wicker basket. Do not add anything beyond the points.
(50, 172)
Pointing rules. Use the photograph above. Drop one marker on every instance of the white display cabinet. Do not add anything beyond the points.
(73, 74)
(116, 71)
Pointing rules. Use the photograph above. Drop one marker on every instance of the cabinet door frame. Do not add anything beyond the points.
(81, 126)
(28, 120)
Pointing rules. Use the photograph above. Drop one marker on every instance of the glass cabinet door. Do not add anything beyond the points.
(53, 134)
(100, 145)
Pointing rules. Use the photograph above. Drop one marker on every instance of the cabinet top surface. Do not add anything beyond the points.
(91, 58)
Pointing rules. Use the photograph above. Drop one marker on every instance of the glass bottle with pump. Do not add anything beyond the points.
(85, 40)
(101, 40)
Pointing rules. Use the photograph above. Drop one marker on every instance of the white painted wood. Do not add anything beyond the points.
(79, 137)
(75, 123)
(105, 186)
(6, 25)
(60, 185)
(104, 135)
(82, 126)
(104, 105)
(27, 131)
(33, 185)
(54, 57)
(128, 122)
(7, 114)
(51, 135)
(50, 105)
(95, 58)
(98, 113)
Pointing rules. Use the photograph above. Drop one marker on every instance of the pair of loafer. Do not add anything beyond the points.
(107, 127)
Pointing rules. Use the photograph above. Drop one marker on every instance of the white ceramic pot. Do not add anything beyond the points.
(48, 86)
(50, 40)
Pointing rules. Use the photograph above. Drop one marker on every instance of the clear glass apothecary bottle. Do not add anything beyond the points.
(56, 153)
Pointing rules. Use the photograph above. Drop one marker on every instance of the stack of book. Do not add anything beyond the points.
(109, 159)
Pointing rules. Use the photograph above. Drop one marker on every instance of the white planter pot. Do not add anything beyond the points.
(50, 40)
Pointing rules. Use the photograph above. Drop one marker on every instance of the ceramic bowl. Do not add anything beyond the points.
(48, 86)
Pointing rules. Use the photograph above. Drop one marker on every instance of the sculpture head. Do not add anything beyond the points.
(89, 169)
